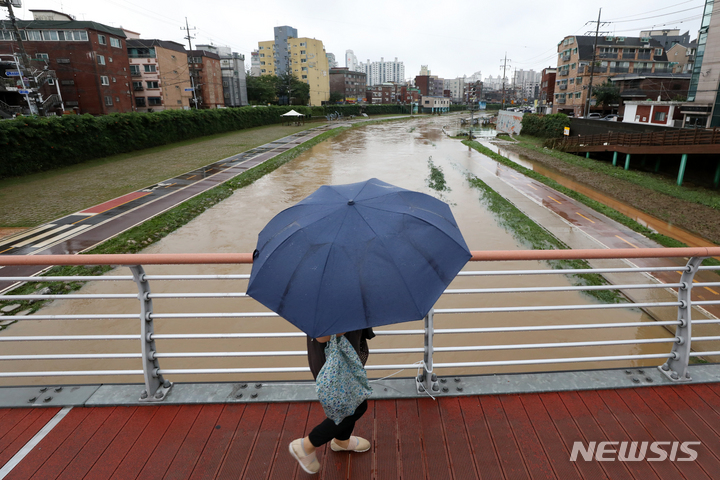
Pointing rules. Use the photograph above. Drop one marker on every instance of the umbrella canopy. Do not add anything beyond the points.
(292, 113)
(354, 256)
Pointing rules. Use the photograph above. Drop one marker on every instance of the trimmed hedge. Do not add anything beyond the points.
(545, 126)
(34, 144)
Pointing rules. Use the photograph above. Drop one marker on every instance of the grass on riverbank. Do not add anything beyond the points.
(536, 237)
(594, 204)
(699, 195)
(156, 228)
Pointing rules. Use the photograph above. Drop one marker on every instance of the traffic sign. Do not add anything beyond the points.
(23, 92)
(189, 89)
(12, 73)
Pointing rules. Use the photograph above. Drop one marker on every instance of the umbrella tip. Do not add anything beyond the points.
(351, 202)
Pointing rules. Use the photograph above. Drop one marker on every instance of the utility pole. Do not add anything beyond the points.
(24, 64)
(190, 69)
(504, 67)
(592, 67)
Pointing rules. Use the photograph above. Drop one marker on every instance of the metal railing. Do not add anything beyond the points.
(676, 358)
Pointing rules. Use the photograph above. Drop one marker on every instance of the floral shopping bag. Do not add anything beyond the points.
(342, 383)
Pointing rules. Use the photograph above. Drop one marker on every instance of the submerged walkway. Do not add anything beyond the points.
(526, 436)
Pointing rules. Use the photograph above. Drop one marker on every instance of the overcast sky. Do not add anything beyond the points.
(453, 37)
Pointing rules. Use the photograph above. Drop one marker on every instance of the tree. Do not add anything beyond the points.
(262, 89)
(299, 91)
(606, 94)
(336, 97)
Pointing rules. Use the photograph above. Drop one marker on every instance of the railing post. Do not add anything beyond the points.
(156, 388)
(676, 367)
(427, 381)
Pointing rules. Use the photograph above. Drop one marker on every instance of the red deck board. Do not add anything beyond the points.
(242, 443)
(79, 437)
(480, 442)
(487, 437)
(456, 439)
(434, 448)
(386, 450)
(614, 432)
(145, 443)
(571, 426)
(284, 466)
(97, 444)
(553, 446)
(168, 446)
(503, 439)
(267, 442)
(194, 442)
(361, 465)
(116, 452)
(24, 429)
(409, 439)
(54, 440)
(530, 446)
(212, 455)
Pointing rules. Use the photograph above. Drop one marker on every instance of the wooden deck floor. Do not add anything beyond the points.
(511, 437)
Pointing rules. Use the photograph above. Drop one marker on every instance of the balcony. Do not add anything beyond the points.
(135, 74)
(644, 56)
(138, 88)
(628, 55)
(563, 87)
(608, 55)
(565, 58)
(561, 101)
(619, 69)
(564, 73)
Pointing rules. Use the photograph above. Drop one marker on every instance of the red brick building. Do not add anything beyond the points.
(351, 85)
(206, 72)
(90, 60)
(547, 90)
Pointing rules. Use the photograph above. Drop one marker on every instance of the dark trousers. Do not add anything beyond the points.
(327, 430)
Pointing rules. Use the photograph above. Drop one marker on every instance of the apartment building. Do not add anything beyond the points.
(351, 61)
(430, 85)
(159, 73)
(255, 69)
(457, 89)
(351, 85)
(682, 57)
(547, 90)
(382, 71)
(232, 66)
(206, 75)
(703, 107)
(90, 60)
(612, 56)
(304, 57)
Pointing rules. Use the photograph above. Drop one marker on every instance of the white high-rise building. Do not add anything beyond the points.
(351, 61)
(477, 76)
(456, 87)
(382, 71)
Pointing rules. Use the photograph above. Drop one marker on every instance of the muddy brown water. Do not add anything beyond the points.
(395, 152)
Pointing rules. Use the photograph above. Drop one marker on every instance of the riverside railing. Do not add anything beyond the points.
(674, 366)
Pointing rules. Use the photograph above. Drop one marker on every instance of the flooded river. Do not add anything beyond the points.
(396, 152)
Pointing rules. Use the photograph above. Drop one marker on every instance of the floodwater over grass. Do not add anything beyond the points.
(403, 153)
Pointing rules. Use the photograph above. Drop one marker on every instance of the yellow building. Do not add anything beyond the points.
(305, 57)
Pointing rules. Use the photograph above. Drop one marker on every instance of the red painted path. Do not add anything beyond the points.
(511, 437)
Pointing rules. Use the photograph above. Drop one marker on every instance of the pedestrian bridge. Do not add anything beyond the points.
(479, 406)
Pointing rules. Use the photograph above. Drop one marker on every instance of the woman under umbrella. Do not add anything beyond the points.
(339, 435)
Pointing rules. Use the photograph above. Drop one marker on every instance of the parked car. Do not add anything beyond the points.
(593, 115)
(612, 118)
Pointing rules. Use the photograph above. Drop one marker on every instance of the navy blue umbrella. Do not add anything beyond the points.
(354, 256)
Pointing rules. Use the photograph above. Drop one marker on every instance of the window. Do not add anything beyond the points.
(303, 44)
(51, 81)
(658, 52)
(110, 59)
(137, 85)
(304, 69)
(101, 40)
(154, 101)
(80, 35)
(226, 83)
(303, 60)
(34, 35)
(104, 80)
(262, 54)
(114, 42)
(108, 100)
(139, 101)
(150, 69)
(101, 59)
(44, 56)
(50, 35)
(304, 76)
(134, 70)
(660, 116)
(302, 52)
(152, 84)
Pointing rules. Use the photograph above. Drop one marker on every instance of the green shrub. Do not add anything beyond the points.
(31, 144)
(545, 126)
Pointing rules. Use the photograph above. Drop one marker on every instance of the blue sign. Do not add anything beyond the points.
(12, 73)
(23, 92)
(482, 105)
(189, 89)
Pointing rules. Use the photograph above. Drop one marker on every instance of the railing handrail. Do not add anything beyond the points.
(246, 258)
(156, 387)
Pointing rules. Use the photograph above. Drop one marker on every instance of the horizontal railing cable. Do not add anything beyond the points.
(564, 288)
(47, 338)
(547, 308)
(569, 271)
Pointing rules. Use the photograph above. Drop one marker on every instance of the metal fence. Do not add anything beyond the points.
(675, 358)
